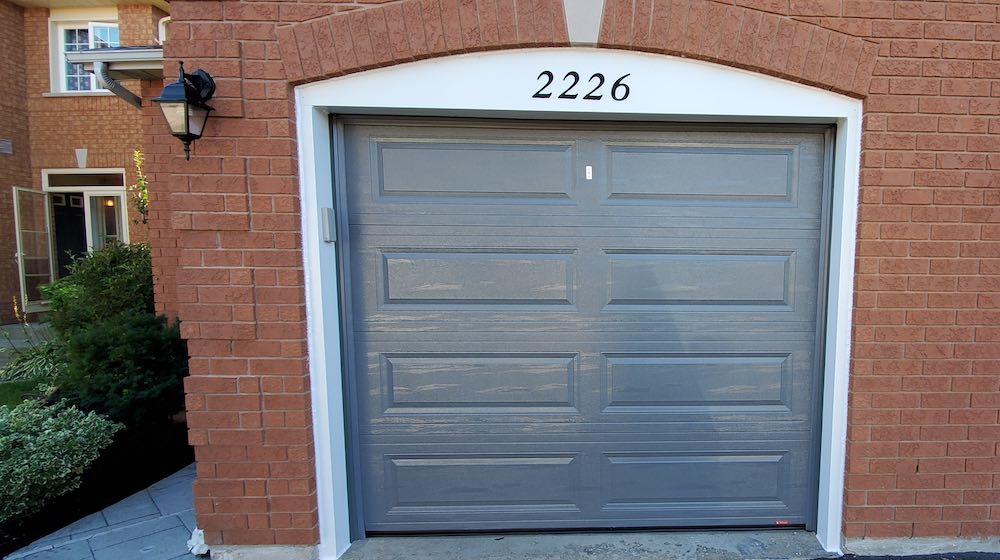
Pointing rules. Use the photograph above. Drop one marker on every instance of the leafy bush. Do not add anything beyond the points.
(127, 367)
(43, 452)
(102, 284)
(12, 393)
(43, 361)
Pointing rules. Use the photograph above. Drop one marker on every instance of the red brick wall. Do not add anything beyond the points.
(139, 25)
(15, 169)
(926, 371)
(156, 144)
(227, 256)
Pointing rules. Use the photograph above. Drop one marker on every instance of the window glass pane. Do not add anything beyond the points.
(105, 216)
(86, 180)
(105, 37)
(76, 39)
(77, 79)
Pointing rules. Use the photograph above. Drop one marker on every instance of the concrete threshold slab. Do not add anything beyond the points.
(920, 546)
(707, 545)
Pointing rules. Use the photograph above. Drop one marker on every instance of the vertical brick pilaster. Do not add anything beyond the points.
(15, 168)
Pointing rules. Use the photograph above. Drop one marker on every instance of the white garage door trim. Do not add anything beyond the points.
(502, 84)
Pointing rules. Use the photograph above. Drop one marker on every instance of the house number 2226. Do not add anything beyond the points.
(594, 87)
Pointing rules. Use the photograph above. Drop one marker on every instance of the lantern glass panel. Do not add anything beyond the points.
(197, 117)
(176, 114)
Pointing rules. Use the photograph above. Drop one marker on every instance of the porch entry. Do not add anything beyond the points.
(76, 211)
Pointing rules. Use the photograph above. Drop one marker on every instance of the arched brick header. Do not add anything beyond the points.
(761, 41)
(413, 29)
(732, 35)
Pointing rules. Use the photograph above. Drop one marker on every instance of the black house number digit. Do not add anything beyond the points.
(541, 93)
(619, 90)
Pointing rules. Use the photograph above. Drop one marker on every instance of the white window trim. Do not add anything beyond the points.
(60, 20)
(91, 192)
(79, 171)
(500, 84)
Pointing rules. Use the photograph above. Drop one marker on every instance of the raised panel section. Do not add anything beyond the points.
(679, 278)
(477, 169)
(483, 483)
(479, 383)
(699, 172)
(692, 383)
(464, 277)
(684, 480)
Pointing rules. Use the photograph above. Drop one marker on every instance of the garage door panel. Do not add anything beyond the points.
(733, 279)
(469, 482)
(465, 387)
(584, 326)
(409, 170)
(599, 275)
(495, 277)
(485, 383)
(744, 173)
(672, 172)
(722, 174)
(597, 484)
(686, 382)
(671, 221)
(632, 480)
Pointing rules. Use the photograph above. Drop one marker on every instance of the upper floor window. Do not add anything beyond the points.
(77, 36)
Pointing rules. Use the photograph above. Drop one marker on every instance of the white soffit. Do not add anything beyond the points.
(58, 4)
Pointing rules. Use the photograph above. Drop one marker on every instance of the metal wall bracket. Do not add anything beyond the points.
(329, 216)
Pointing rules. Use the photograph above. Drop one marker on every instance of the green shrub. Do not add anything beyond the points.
(102, 284)
(43, 452)
(127, 367)
(12, 393)
(43, 362)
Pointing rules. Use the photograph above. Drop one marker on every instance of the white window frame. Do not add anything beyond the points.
(89, 193)
(78, 18)
(91, 25)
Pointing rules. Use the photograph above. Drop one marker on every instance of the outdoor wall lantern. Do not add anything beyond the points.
(183, 105)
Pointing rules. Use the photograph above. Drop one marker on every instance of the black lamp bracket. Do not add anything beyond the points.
(202, 83)
(199, 86)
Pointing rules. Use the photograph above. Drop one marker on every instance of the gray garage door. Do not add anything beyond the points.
(584, 326)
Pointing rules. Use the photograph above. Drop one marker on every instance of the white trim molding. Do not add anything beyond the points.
(91, 191)
(501, 84)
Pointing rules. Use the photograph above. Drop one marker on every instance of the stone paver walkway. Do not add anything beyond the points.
(153, 524)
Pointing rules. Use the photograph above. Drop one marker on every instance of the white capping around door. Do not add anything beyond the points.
(504, 84)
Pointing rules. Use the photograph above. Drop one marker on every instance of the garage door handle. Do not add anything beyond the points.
(329, 224)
